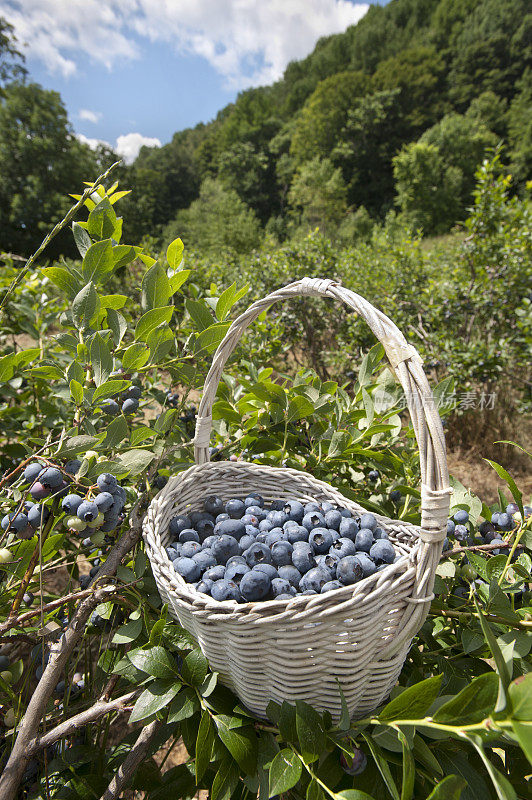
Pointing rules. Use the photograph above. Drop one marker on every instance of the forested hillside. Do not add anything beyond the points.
(395, 114)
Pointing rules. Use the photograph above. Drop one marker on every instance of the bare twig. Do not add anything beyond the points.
(22, 619)
(99, 709)
(59, 655)
(132, 761)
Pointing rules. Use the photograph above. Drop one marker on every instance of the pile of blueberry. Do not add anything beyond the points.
(126, 403)
(44, 482)
(172, 399)
(461, 529)
(246, 551)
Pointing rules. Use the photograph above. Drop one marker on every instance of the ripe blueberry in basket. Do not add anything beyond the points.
(340, 606)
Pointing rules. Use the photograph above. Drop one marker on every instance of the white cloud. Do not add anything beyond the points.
(90, 116)
(128, 146)
(249, 42)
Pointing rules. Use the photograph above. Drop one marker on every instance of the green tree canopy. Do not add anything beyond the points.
(319, 195)
(11, 59)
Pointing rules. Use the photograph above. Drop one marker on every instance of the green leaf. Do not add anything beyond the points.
(101, 360)
(382, 766)
(136, 461)
(424, 754)
(174, 253)
(241, 743)
(154, 661)
(516, 494)
(155, 289)
(287, 722)
(117, 324)
(199, 313)
(228, 298)
(128, 632)
(502, 669)
(114, 301)
(520, 693)
(136, 356)
(298, 408)
(450, 788)
(195, 668)
(204, 742)
(76, 392)
(208, 340)
(84, 306)
(151, 320)
(225, 781)
(413, 702)
(310, 731)
(102, 221)
(98, 261)
(353, 794)
(153, 699)
(108, 389)
(504, 789)
(314, 791)
(184, 705)
(285, 772)
(345, 719)
(82, 238)
(178, 279)
(78, 444)
(409, 769)
(63, 279)
(473, 704)
(339, 442)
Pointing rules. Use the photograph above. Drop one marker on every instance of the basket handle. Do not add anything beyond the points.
(405, 362)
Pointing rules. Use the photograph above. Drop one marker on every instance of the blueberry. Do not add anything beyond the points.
(297, 534)
(4, 663)
(281, 553)
(356, 764)
(235, 560)
(343, 547)
(230, 527)
(213, 505)
(268, 569)
(188, 535)
(87, 511)
(178, 524)
(38, 515)
(204, 559)
(224, 547)
(379, 533)
(328, 561)
(311, 507)
(19, 522)
(6, 520)
(333, 519)
(257, 511)
(349, 570)
(450, 527)
(60, 688)
(512, 508)
(275, 535)
(368, 521)
(364, 540)
(326, 507)
(110, 407)
(134, 392)
(214, 573)
(327, 587)
(368, 565)
(107, 482)
(294, 510)
(235, 508)
(277, 518)
(72, 466)
(348, 529)
(498, 542)
(235, 571)
(280, 586)
(38, 491)
(374, 475)
(205, 585)
(84, 581)
(395, 496)
(291, 574)
(172, 552)
(104, 501)
(314, 579)
(32, 471)
(345, 512)
(254, 499)
(446, 545)
(28, 598)
(505, 522)
(249, 519)
(303, 558)
(495, 518)
(383, 551)
(265, 525)
(130, 406)
(109, 524)
(313, 519)
(485, 527)
(258, 554)
(51, 478)
(255, 585)
(189, 549)
(308, 592)
(225, 590)
(72, 502)
(187, 568)
(245, 542)
(277, 505)
(461, 533)
(489, 536)
(461, 517)
(321, 540)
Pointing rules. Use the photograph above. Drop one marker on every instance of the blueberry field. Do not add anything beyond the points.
(104, 356)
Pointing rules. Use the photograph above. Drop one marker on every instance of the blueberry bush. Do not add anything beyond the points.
(101, 362)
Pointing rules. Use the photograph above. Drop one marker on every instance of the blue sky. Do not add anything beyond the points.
(135, 71)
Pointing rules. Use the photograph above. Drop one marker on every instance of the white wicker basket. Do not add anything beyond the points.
(358, 635)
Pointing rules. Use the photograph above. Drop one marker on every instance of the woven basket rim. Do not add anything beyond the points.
(197, 601)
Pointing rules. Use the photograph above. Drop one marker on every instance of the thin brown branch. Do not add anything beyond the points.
(25, 582)
(132, 761)
(99, 709)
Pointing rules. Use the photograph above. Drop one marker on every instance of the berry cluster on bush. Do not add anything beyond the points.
(99, 509)
(126, 403)
(247, 551)
(461, 529)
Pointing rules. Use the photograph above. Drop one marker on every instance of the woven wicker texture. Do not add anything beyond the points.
(358, 635)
